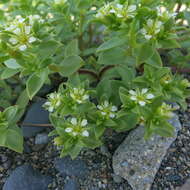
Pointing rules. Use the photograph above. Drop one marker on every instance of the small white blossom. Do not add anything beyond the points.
(77, 127)
(79, 95)
(151, 29)
(141, 97)
(107, 110)
(32, 39)
(54, 101)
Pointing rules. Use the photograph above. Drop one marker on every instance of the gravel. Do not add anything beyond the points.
(174, 170)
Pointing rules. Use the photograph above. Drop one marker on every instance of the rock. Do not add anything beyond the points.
(138, 160)
(186, 186)
(35, 115)
(26, 178)
(41, 139)
(117, 179)
(71, 185)
(104, 150)
(69, 167)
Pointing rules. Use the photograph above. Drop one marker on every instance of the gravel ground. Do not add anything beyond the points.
(174, 171)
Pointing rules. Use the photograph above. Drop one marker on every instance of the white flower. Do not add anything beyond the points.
(54, 101)
(132, 8)
(141, 97)
(22, 47)
(151, 29)
(107, 110)
(17, 31)
(79, 95)
(77, 127)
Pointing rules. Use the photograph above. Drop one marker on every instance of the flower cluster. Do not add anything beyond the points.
(119, 10)
(22, 35)
(142, 97)
(54, 101)
(166, 110)
(77, 127)
(165, 14)
(79, 95)
(107, 110)
(151, 29)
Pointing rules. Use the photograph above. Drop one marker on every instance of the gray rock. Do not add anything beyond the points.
(186, 186)
(35, 115)
(26, 178)
(138, 160)
(41, 138)
(71, 185)
(69, 167)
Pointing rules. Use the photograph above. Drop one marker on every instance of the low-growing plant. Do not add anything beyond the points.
(111, 64)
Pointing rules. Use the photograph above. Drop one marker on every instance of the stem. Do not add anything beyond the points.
(105, 69)
(88, 72)
(37, 125)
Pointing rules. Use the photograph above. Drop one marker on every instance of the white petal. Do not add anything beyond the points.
(79, 101)
(143, 31)
(150, 22)
(132, 92)
(32, 39)
(150, 96)
(84, 122)
(112, 115)
(13, 40)
(133, 98)
(58, 103)
(144, 90)
(142, 103)
(22, 47)
(74, 133)
(52, 95)
(112, 11)
(85, 133)
(148, 37)
(74, 121)
(50, 109)
(17, 31)
(106, 104)
(68, 130)
(47, 104)
(85, 97)
(119, 15)
(27, 29)
(119, 6)
(132, 8)
(103, 113)
(114, 108)
(99, 107)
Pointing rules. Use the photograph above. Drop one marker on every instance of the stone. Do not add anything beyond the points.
(138, 160)
(41, 139)
(26, 178)
(186, 186)
(71, 185)
(35, 115)
(69, 167)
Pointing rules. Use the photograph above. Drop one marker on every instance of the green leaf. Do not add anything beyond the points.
(155, 59)
(14, 139)
(47, 49)
(146, 51)
(169, 44)
(114, 56)
(35, 82)
(112, 43)
(10, 113)
(7, 73)
(12, 64)
(72, 48)
(70, 65)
